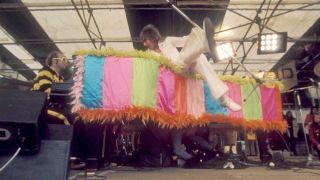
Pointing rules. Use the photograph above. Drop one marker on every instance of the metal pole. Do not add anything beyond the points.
(266, 20)
(298, 106)
(183, 15)
(86, 27)
(258, 80)
(297, 89)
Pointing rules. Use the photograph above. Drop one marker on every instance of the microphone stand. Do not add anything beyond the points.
(258, 80)
(183, 15)
(258, 83)
(310, 161)
(298, 106)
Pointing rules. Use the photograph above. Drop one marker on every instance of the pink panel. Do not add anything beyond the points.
(117, 83)
(165, 95)
(269, 103)
(195, 97)
(235, 94)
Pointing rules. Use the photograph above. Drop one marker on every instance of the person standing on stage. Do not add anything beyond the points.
(314, 133)
(50, 73)
(308, 121)
(309, 117)
(289, 117)
(191, 56)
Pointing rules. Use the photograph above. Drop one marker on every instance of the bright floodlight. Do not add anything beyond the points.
(272, 43)
(225, 51)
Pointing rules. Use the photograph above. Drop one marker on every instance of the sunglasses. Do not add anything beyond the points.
(61, 59)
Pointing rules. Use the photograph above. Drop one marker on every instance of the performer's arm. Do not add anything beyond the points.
(43, 82)
(177, 41)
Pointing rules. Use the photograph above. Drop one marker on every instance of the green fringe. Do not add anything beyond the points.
(140, 54)
(168, 63)
(249, 80)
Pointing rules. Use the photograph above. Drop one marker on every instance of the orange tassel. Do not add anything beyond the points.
(163, 119)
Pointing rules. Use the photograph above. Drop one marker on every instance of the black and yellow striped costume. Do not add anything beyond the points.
(43, 82)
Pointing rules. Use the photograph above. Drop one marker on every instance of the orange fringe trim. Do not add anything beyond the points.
(163, 119)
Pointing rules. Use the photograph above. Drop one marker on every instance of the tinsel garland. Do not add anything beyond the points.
(163, 119)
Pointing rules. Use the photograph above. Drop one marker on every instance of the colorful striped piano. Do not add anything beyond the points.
(112, 85)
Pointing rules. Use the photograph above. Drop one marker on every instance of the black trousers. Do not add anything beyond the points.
(318, 151)
(264, 154)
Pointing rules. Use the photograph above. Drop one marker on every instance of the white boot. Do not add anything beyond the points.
(198, 42)
(195, 45)
(217, 87)
(229, 103)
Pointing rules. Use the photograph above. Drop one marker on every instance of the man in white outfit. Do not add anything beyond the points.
(191, 56)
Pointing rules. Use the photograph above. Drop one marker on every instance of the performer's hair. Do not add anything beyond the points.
(150, 32)
(51, 55)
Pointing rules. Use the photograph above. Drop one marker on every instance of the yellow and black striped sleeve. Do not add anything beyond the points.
(44, 81)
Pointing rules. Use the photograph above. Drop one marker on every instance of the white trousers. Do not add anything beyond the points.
(216, 85)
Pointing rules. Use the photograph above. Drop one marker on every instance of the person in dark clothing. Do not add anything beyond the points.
(154, 147)
(55, 63)
(308, 121)
(314, 133)
(309, 118)
(57, 112)
(289, 117)
(181, 139)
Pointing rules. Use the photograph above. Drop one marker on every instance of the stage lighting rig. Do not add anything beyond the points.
(270, 43)
(225, 51)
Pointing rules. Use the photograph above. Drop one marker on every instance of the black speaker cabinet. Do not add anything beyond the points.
(22, 118)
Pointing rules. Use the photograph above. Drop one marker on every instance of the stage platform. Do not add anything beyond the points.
(295, 171)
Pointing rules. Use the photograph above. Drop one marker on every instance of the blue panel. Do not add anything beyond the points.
(212, 105)
(93, 80)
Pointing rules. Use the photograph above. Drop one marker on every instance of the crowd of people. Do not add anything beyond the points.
(310, 128)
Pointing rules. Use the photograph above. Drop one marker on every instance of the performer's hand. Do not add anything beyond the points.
(318, 146)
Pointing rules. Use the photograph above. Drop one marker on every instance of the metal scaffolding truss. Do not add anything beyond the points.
(41, 4)
(86, 16)
(85, 10)
(136, 39)
(262, 24)
(183, 5)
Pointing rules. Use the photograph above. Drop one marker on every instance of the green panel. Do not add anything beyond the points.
(144, 83)
(252, 109)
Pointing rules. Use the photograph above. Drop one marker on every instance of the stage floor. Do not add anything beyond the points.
(295, 170)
